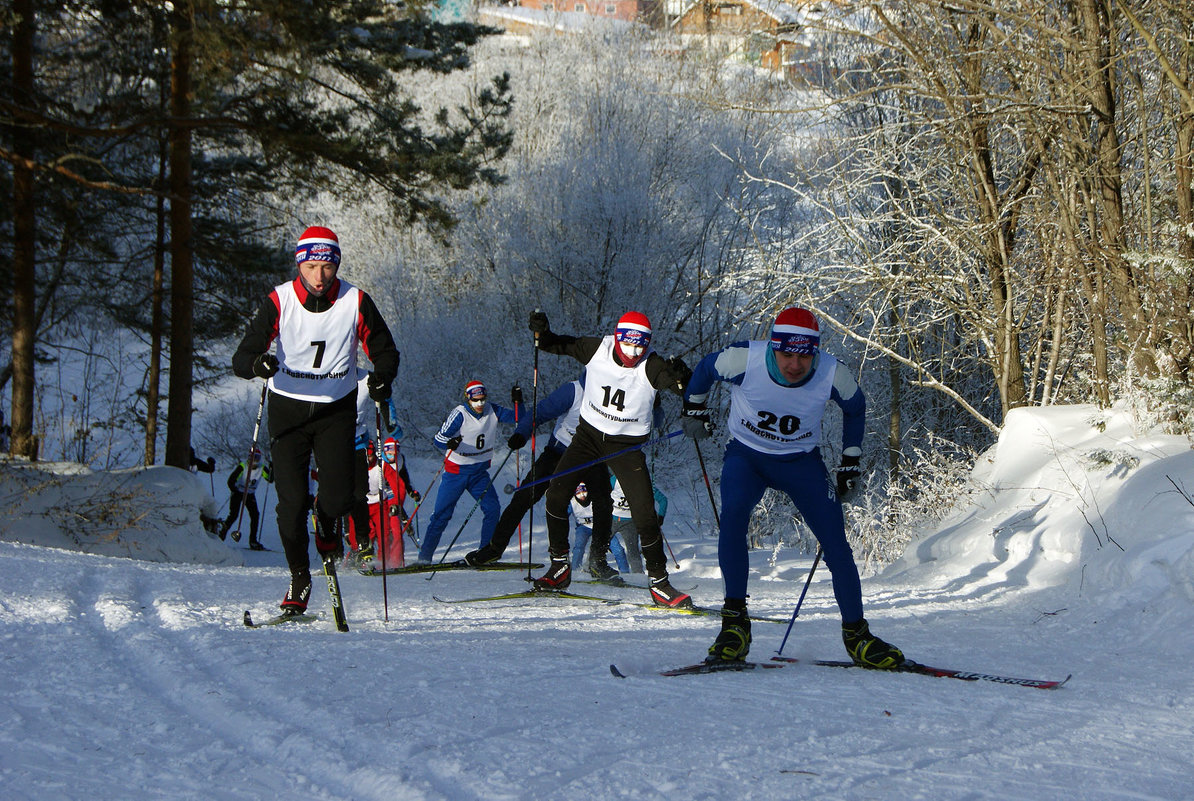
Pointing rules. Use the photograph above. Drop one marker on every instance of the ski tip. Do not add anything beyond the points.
(614, 670)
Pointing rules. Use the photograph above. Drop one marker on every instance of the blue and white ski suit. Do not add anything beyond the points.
(775, 434)
(466, 468)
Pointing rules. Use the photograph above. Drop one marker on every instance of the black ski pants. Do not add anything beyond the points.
(630, 468)
(234, 503)
(595, 478)
(299, 431)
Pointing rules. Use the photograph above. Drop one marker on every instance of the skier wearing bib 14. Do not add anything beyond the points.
(317, 322)
(622, 376)
(778, 392)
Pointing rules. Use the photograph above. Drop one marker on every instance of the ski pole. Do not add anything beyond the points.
(599, 460)
(476, 503)
(534, 421)
(800, 602)
(516, 399)
(708, 486)
(249, 462)
(669, 547)
(434, 478)
(385, 512)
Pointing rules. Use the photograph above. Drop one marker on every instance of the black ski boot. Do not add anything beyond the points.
(664, 594)
(482, 556)
(255, 545)
(557, 577)
(733, 643)
(297, 594)
(867, 650)
(328, 541)
(600, 569)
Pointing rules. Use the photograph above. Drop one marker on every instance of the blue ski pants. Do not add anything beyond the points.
(745, 475)
(475, 479)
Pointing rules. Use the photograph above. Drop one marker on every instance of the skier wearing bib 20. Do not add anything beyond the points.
(622, 375)
(318, 321)
(778, 392)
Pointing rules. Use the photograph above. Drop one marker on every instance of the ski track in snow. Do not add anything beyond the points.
(127, 677)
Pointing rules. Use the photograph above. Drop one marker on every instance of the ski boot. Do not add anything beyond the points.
(733, 642)
(255, 545)
(664, 594)
(328, 543)
(867, 650)
(600, 570)
(557, 577)
(297, 594)
(482, 556)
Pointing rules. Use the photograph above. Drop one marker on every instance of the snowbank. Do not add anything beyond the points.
(1070, 498)
(151, 513)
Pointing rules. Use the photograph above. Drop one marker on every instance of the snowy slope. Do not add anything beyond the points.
(127, 678)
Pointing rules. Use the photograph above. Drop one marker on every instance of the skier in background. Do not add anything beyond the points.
(242, 487)
(468, 438)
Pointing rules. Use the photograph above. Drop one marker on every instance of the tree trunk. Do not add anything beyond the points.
(1094, 26)
(157, 324)
(24, 252)
(178, 413)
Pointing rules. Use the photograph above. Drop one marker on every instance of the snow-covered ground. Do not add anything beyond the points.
(132, 678)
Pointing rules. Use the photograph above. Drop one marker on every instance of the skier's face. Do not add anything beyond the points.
(476, 399)
(317, 276)
(794, 367)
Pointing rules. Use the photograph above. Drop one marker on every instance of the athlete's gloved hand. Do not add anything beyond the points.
(454, 442)
(848, 478)
(379, 392)
(414, 493)
(538, 322)
(695, 422)
(265, 365)
(678, 372)
(516, 394)
(516, 441)
(394, 510)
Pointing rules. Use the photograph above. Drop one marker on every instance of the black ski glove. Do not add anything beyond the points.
(538, 322)
(454, 442)
(848, 477)
(516, 441)
(379, 392)
(265, 365)
(516, 394)
(414, 493)
(695, 422)
(678, 371)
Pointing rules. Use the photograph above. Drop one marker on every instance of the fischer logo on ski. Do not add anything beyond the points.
(329, 570)
(946, 673)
